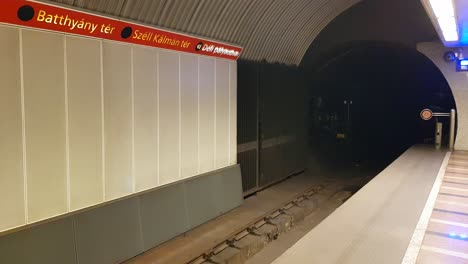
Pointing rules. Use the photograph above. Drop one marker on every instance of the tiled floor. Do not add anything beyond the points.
(446, 240)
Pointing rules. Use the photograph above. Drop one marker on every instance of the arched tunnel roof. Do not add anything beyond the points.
(272, 30)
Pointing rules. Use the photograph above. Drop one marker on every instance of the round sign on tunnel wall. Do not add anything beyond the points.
(426, 114)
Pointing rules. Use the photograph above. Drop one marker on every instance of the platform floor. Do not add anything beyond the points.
(376, 225)
(446, 234)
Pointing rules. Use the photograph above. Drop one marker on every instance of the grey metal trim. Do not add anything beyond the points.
(272, 142)
(128, 227)
(452, 129)
(246, 146)
(268, 143)
(52, 219)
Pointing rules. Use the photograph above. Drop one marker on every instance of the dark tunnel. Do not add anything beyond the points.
(353, 104)
(365, 104)
(352, 115)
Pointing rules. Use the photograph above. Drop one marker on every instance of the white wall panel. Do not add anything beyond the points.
(11, 147)
(169, 117)
(44, 98)
(189, 115)
(146, 119)
(458, 84)
(103, 120)
(117, 119)
(233, 112)
(222, 113)
(84, 121)
(207, 114)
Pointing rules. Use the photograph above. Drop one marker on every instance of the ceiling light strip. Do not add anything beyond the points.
(445, 14)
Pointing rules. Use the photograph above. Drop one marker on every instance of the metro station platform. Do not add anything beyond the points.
(415, 211)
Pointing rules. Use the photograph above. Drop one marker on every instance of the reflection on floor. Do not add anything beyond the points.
(446, 237)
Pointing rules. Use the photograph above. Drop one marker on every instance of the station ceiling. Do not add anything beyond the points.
(450, 19)
(271, 30)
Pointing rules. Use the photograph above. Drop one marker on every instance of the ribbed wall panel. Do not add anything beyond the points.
(87, 121)
(272, 30)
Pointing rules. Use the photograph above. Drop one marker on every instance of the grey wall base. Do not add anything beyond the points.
(121, 230)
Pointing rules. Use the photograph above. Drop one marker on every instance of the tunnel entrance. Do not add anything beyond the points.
(365, 104)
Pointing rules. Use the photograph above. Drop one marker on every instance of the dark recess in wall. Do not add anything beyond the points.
(271, 122)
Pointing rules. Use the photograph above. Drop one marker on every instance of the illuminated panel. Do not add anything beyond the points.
(445, 15)
(462, 65)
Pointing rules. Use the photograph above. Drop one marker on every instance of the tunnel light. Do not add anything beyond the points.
(463, 236)
(452, 234)
(445, 14)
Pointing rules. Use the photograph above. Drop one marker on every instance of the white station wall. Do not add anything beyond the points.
(458, 82)
(85, 121)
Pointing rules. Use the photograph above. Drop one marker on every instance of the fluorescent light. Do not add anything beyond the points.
(442, 8)
(445, 14)
(447, 24)
(450, 35)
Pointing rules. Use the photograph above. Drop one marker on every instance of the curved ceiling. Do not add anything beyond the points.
(271, 30)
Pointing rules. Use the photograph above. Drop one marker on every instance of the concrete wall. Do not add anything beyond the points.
(86, 121)
(370, 21)
(278, 94)
(458, 82)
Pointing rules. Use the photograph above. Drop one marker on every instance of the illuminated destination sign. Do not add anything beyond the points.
(49, 17)
(462, 65)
